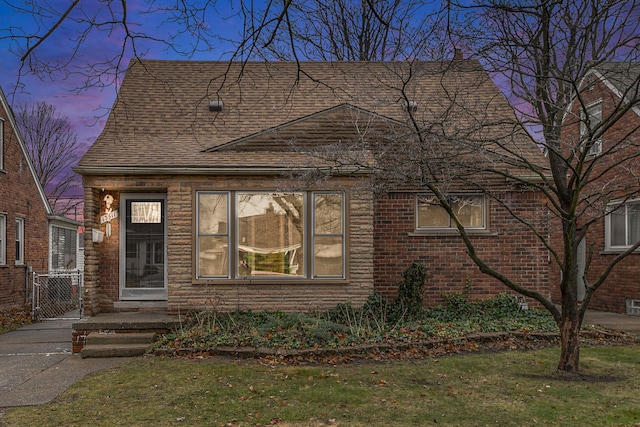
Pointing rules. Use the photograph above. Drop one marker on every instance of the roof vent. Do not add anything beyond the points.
(412, 106)
(215, 105)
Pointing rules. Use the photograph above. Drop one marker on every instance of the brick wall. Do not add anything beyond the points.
(19, 198)
(506, 246)
(185, 293)
(615, 172)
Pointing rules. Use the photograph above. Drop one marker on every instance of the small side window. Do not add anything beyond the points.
(468, 208)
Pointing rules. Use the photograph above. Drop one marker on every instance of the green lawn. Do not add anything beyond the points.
(504, 389)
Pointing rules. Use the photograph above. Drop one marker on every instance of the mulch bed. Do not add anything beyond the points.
(394, 351)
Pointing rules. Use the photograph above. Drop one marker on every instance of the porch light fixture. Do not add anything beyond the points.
(215, 105)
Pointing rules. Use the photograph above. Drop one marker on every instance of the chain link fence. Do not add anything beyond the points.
(57, 295)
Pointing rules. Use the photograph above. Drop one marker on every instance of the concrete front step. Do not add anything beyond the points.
(97, 338)
(119, 330)
(117, 344)
(122, 350)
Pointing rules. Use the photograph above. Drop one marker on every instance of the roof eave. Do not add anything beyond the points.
(248, 170)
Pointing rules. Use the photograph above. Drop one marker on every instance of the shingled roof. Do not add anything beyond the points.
(622, 78)
(161, 119)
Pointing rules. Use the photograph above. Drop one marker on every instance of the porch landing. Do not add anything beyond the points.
(95, 328)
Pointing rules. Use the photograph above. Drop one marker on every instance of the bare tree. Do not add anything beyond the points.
(342, 30)
(544, 51)
(53, 148)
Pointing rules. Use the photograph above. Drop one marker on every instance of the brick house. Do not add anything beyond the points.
(32, 238)
(604, 110)
(201, 192)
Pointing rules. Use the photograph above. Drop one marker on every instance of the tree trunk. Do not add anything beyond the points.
(569, 342)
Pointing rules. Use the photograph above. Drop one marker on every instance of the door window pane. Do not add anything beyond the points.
(144, 258)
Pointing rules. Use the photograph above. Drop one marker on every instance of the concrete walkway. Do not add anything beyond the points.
(36, 363)
(622, 322)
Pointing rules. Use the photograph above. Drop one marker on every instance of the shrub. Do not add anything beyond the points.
(411, 291)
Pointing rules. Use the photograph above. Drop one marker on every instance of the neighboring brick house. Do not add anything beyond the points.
(193, 195)
(614, 186)
(31, 237)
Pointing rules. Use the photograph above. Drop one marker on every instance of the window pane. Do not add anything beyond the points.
(213, 259)
(618, 227)
(270, 234)
(212, 213)
(19, 240)
(327, 256)
(328, 214)
(633, 211)
(431, 214)
(3, 242)
(469, 210)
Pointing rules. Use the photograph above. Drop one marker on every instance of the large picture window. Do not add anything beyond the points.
(264, 235)
(469, 209)
(623, 225)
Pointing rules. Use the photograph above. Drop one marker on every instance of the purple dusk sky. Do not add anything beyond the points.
(86, 109)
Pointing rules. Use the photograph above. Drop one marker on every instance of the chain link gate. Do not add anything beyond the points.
(57, 295)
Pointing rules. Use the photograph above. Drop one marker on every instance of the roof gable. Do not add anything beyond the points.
(621, 78)
(23, 149)
(343, 124)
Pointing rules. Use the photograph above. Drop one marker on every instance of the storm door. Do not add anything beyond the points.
(143, 269)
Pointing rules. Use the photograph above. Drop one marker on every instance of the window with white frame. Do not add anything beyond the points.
(622, 228)
(468, 208)
(591, 118)
(63, 248)
(3, 239)
(267, 235)
(19, 241)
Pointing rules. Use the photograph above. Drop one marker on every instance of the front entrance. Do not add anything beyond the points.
(143, 269)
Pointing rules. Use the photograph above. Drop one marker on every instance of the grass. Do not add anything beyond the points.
(506, 389)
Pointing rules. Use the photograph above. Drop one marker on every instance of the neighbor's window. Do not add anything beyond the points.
(469, 209)
(1, 144)
(19, 241)
(266, 235)
(3, 240)
(623, 225)
(591, 118)
(63, 248)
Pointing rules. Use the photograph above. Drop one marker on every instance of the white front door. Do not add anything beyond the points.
(143, 236)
